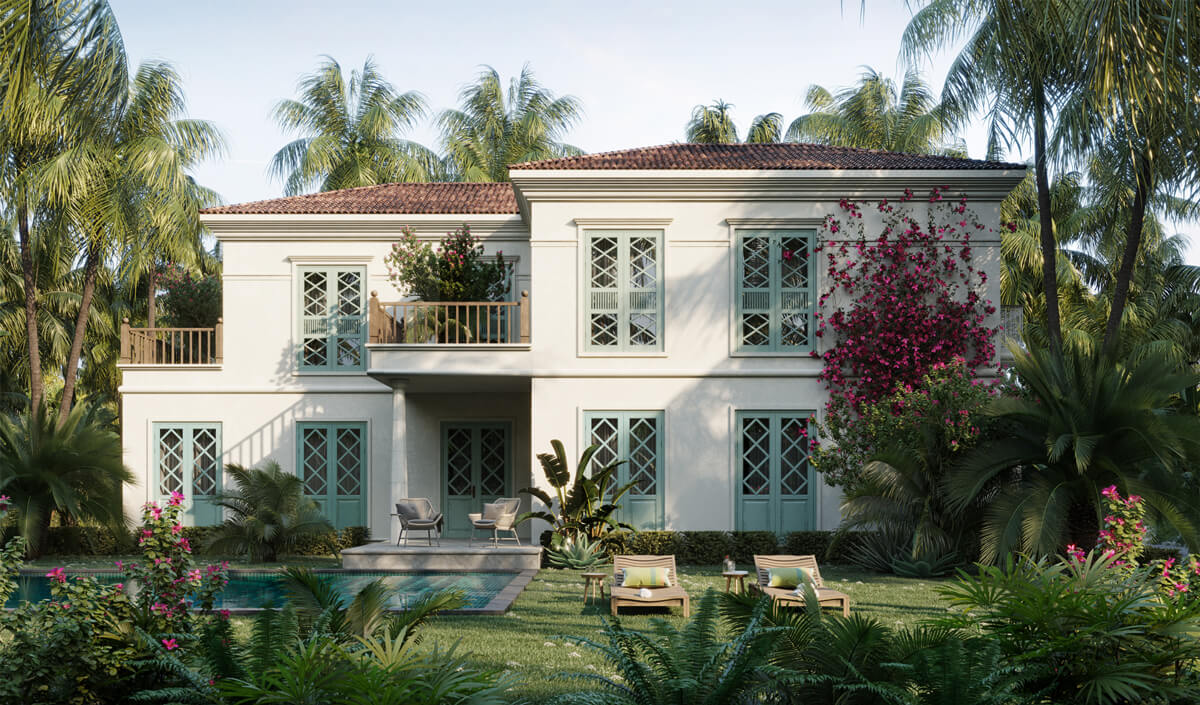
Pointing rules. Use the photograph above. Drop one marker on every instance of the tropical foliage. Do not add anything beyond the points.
(350, 131)
(712, 124)
(71, 472)
(266, 514)
(190, 299)
(1081, 425)
(585, 502)
(577, 553)
(494, 127)
(456, 270)
(875, 115)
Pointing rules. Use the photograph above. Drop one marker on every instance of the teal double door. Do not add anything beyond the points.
(332, 458)
(636, 439)
(476, 468)
(775, 481)
(188, 458)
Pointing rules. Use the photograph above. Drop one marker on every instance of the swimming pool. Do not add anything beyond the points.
(257, 589)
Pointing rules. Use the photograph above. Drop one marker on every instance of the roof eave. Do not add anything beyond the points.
(253, 226)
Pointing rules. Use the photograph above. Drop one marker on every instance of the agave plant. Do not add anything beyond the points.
(585, 503)
(577, 553)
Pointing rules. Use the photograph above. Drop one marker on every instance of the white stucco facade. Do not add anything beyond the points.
(406, 397)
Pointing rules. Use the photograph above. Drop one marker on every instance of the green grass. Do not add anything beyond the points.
(526, 642)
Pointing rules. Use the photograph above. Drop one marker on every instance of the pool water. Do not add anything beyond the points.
(264, 589)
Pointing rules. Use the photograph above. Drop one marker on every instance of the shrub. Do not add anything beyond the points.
(270, 513)
(703, 547)
(655, 543)
(191, 299)
(747, 544)
(833, 547)
(585, 503)
(456, 271)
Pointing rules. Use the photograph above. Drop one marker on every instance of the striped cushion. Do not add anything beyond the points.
(645, 576)
(790, 577)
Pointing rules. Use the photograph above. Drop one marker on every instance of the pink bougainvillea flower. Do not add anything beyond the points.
(171, 644)
(57, 575)
(176, 499)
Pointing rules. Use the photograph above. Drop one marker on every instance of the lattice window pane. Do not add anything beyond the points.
(493, 461)
(603, 431)
(794, 262)
(458, 462)
(604, 263)
(349, 462)
(349, 291)
(170, 460)
(756, 455)
(793, 457)
(315, 461)
(643, 455)
(315, 294)
(349, 352)
(756, 262)
(206, 462)
(603, 330)
(643, 329)
(314, 352)
(643, 263)
(756, 329)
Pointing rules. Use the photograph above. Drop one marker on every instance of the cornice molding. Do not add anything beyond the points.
(648, 223)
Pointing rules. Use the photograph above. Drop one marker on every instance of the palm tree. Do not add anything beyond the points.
(73, 470)
(1083, 425)
(350, 132)
(493, 128)
(712, 124)
(57, 60)
(1017, 65)
(127, 183)
(268, 513)
(873, 115)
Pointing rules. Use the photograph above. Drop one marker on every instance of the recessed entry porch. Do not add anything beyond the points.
(460, 442)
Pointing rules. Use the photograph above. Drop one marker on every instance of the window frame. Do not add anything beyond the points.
(331, 270)
(775, 233)
(187, 460)
(623, 348)
(775, 459)
(330, 427)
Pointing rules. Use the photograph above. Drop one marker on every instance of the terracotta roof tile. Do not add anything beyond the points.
(408, 199)
(790, 155)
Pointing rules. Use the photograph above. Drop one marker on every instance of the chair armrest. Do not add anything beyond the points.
(475, 516)
(506, 521)
(436, 517)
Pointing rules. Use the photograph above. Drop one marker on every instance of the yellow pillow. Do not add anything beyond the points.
(790, 577)
(645, 577)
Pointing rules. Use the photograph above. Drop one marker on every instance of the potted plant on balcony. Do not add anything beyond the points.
(456, 270)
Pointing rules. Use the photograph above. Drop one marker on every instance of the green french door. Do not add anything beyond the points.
(188, 458)
(476, 469)
(637, 438)
(333, 462)
(775, 480)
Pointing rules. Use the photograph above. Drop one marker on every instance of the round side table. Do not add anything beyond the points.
(739, 576)
(593, 584)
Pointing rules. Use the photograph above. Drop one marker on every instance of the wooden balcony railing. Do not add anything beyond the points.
(171, 346)
(450, 322)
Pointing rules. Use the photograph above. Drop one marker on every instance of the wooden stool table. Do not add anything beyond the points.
(740, 576)
(593, 583)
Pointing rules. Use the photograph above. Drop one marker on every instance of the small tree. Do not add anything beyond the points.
(191, 300)
(456, 270)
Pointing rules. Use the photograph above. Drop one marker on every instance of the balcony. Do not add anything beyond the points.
(175, 347)
(449, 323)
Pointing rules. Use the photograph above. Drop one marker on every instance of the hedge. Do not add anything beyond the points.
(99, 541)
(711, 547)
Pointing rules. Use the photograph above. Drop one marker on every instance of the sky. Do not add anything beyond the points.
(638, 67)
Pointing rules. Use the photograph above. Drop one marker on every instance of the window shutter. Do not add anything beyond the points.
(332, 324)
(623, 301)
(775, 291)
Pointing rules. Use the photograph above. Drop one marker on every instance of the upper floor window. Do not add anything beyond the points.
(332, 327)
(775, 282)
(623, 302)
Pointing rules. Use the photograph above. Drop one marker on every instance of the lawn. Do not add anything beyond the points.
(527, 640)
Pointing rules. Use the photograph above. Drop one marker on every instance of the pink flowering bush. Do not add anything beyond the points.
(912, 297)
(455, 270)
(190, 299)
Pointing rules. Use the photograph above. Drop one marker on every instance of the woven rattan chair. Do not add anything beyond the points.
(786, 596)
(416, 514)
(669, 596)
(498, 516)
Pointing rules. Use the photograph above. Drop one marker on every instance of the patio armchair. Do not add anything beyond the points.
(417, 514)
(826, 597)
(671, 594)
(497, 516)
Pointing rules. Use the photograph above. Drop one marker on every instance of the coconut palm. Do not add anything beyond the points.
(1083, 425)
(1017, 65)
(267, 513)
(494, 128)
(712, 124)
(127, 183)
(71, 470)
(350, 132)
(873, 114)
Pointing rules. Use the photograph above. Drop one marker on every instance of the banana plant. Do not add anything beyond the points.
(585, 503)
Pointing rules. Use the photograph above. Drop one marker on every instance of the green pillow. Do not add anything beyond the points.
(790, 577)
(645, 577)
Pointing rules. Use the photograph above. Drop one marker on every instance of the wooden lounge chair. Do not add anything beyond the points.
(668, 596)
(786, 596)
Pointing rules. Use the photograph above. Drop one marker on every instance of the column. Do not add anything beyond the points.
(399, 484)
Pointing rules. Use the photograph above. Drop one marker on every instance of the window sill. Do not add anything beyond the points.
(618, 353)
(805, 354)
(328, 373)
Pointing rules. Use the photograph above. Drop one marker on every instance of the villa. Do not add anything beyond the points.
(650, 310)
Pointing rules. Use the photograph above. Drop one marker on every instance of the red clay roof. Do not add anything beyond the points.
(789, 155)
(408, 199)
